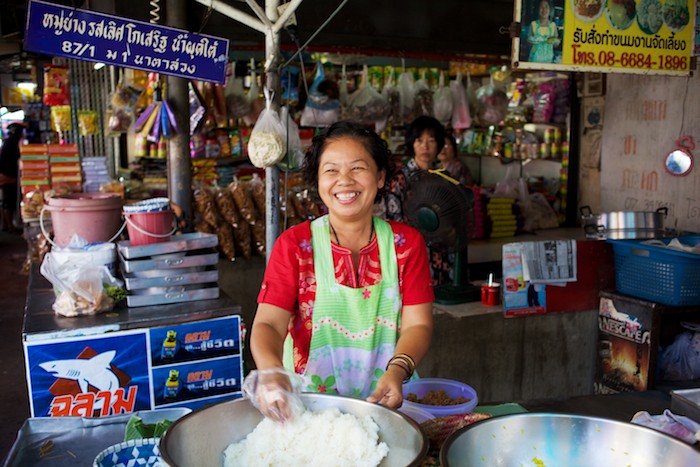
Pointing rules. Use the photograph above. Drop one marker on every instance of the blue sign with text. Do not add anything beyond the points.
(84, 35)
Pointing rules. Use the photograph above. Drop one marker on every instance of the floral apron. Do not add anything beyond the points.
(354, 329)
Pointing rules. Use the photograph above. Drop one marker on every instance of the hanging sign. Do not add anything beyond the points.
(614, 36)
(84, 35)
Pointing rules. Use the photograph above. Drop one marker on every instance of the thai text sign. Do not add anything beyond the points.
(624, 36)
(647, 35)
(79, 34)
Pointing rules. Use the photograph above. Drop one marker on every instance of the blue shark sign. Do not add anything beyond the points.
(97, 376)
(84, 35)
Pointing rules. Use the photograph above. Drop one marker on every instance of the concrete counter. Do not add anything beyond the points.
(550, 356)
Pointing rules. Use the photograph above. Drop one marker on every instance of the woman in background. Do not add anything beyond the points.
(454, 167)
(425, 138)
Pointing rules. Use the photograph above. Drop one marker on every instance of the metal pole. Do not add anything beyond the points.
(272, 174)
(179, 164)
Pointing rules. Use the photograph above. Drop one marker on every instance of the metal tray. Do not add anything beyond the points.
(178, 243)
(173, 277)
(205, 259)
(76, 440)
(686, 402)
(175, 296)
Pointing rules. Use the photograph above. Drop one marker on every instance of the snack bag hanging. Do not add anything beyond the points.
(423, 98)
(266, 146)
(56, 88)
(407, 92)
(294, 156)
(87, 122)
(366, 105)
(442, 102)
(322, 104)
(461, 118)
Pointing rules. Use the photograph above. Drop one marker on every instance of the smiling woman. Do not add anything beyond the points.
(344, 284)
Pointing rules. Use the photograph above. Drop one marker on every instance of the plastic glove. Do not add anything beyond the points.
(275, 393)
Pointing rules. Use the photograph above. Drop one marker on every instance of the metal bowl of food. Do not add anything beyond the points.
(200, 438)
(542, 439)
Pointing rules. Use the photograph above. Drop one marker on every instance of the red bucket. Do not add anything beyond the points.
(145, 228)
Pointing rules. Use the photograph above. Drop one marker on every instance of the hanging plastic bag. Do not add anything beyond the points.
(461, 118)
(366, 105)
(492, 104)
(442, 102)
(257, 104)
(423, 98)
(390, 93)
(56, 86)
(266, 146)
(407, 93)
(294, 157)
(322, 108)
(343, 93)
(471, 95)
(237, 103)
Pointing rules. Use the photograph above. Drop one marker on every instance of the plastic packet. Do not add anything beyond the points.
(492, 104)
(87, 122)
(237, 103)
(80, 285)
(322, 108)
(294, 156)
(56, 86)
(366, 105)
(422, 98)
(461, 118)
(407, 93)
(61, 118)
(266, 146)
(442, 101)
(275, 392)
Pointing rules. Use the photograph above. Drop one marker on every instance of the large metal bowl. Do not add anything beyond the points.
(199, 438)
(534, 439)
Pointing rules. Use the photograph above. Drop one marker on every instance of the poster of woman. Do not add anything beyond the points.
(542, 27)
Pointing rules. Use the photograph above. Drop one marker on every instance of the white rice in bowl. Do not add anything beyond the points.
(327, 438)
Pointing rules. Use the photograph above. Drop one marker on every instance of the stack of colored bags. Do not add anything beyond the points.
(502, 217)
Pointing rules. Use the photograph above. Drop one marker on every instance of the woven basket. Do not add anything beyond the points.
(439, 429)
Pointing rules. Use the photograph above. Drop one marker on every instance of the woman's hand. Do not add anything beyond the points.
(272, 392)
(389, 391)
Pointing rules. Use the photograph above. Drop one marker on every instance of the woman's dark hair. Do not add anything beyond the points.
(372, 142)
(420, 125)
(451, 138)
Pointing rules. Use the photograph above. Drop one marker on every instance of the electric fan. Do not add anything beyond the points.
(441, 209)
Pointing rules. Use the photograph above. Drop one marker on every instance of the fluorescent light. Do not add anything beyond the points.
(26, 85)
(99, 65)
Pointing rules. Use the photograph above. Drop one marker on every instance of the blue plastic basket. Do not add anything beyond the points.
(658, 274)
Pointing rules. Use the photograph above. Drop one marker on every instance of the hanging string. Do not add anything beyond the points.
(207, 14)
(313, 36)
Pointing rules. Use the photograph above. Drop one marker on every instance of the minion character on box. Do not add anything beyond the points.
(172, 385)
(170, 346)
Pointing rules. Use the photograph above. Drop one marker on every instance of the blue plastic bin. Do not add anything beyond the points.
(656, 273)
(422, 386)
